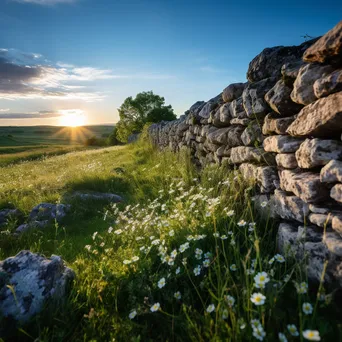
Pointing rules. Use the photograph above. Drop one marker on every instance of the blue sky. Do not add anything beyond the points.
(84, 57)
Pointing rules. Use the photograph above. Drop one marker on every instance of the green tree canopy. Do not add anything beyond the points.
(135, 112)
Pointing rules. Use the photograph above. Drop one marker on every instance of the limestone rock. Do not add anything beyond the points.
(321, 118)
(306, 185)
(325, 208)
(228, 135)
(332, 172)
(281, 144)
(287, 160)
(252, 134)
(290, 71)
(287, 239)
(248, 171)
(303, 91)
(237, 109)
(197, 106)
(223, 151)
(209, 106)
(49, 212)
(334, 243)
(329, 84)
(267, 178)
(269, 62)
(280, 101)
(273, 124)
(243, 122)
(37, 281)
(328, 48)
(232, 92)
(215, 119)
(336, 193)
(316, 152)
(290, 207)
(253, 97)
(264, 205)
(337, 223)
(242, 154)
(225, 113)
(320, 220)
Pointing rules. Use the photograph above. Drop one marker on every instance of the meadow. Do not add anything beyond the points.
(185, 257)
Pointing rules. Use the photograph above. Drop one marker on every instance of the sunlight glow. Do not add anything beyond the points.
(72, 118)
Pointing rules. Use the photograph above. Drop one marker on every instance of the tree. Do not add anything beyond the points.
(135, 112)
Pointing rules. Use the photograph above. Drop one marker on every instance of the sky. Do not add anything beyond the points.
(81, 58)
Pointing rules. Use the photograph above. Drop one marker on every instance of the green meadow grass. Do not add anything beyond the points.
(179, 260)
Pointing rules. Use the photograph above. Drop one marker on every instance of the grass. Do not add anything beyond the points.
(178, 261)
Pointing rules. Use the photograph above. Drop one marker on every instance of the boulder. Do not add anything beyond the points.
(243, 122)
(252, 134)
(281, 144)
(253, 98)
(307, 185)
(280, 100)
(287, 160)
(226, 136)
(329, 84)
(320, 220)
(243, 154)
(267, 178)
(209, 106)
(317, 152)
(332, 172)
(336, 193)
(337, 223)
(303, 90)
(327, 49)
(237, 109)
(290, 71)
(233, 91)
(49, 212)
(225, 113)
(274, 124)
(37, 282)
(321, 118)
(196, 107)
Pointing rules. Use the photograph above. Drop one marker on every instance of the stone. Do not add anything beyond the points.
(274, 124)
(269, 62)
(209, 106)
(329, 84)
(317, 152)
(197, 106)
(252, 134)
(337, 223)
(243, 122)
(320, 220)
(290, 207)
(225, 113)
(309, 233)
(49, 212)
(281, 144)
(267, 178)
(264, 205)
(332, 172)
(223, 151)
(336, 193)
(328, 48)
(233, 91)
(307, 185)
(37, 282)
(242, 154)
(228, 135)
(215, 119)
(234, 135)
(286, 160)
(333, 242)
(237, 109)
(253, 98)
(290, 71)
(248, 172)
(280, 100)
(320, 119)
(326, 208)
(303, 90)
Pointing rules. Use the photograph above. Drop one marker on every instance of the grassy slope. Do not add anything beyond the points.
(107, 290)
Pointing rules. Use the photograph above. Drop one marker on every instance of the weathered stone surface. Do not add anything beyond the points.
(209, 106)
(225, 113)
(269, 62)
(253, 97)
(303, 90)
(226, 136)
(306, 185)
(287, 239)
(223, 151)
(274, 124)
(280, 101)
(320, 220)
(264, 205)
(337, 223)
(215, 119)
(37, 282)
(234, 135)
(290, 71)
(237, 109)
(333, 242)
(267, 178)
(49, 212)
(197, 106)
(329, 84)
(252, 134)
(325, 208)
(287, 160)
(332, 172)
(336, 193)
(243, 154)
(328, 48)
(316, 152)
(281, 144)
(249, 171)
(290, 207)
(243, 122)
(233, 91)
(322, 118)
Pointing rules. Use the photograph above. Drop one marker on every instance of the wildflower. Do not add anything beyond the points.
(307, 308)
(292, 330)
(155, 242)
(263, 204)
(127, 262)
(207, 255)
(184, 261)
(225, 314)
(197, 270)
(132, 314)
(282, 337)
(250, 271)
(174, 253)
(255, 323)
(230, 300)
(224, 237)
(242, 223)
(198, 253)
(177, 295)
(233, 268)
(279, 258)
(211, 308)
(287, 278)
(258, 298)
(230, 213)
(110, 229)
(87, 247)
(311, 335)
(135, 258)
(171, 232)
(94, 235)
(302, 288)
(217, 235)
(206, 263)
(118, 231)
(189, 237)
(271, 261)
(155, 307)
(259, 333)
(171, 261)
(261, 279)
(232, 242)
(241, 323)
(184, 247)
(178, 270)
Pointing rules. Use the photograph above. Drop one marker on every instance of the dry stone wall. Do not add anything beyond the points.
(282, 129)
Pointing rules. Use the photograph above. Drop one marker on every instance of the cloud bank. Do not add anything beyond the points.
(35, 115)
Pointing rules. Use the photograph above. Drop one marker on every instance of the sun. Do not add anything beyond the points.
(72, 119)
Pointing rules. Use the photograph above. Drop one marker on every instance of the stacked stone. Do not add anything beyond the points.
(282, 129)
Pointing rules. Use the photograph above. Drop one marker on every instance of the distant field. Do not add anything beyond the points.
(29, 143)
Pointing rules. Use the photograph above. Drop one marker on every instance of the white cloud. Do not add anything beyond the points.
(4, 109)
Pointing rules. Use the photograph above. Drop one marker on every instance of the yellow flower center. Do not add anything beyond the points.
(258, 299)
(311, 334)
(262, 278)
